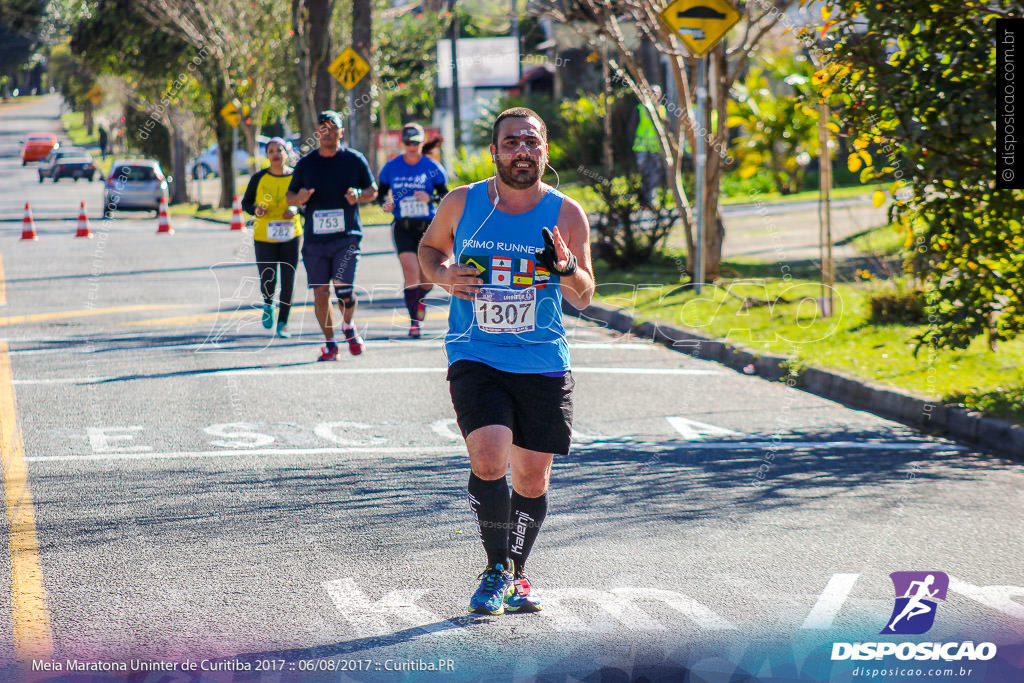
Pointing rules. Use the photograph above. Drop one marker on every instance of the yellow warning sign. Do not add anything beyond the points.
(95, 94)
(700, 24)
(349, 68)
(231, 113)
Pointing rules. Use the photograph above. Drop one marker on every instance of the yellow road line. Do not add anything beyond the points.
(3, 287)
(29, 616)
(197, 318)
(251, 313)
(83, 313)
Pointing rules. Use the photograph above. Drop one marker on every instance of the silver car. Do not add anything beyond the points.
(134, 184)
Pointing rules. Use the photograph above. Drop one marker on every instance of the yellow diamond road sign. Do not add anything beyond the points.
(700, 23)
(349, 68)
(231, 114)
(95, 95)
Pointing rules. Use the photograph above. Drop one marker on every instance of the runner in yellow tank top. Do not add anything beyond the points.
(276, 233)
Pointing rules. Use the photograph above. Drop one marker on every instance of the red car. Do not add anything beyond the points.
(37, 146)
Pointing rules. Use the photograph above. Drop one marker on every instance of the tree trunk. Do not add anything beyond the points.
(303, 69)
(178, 154)
(225, 140)
(318, 30)
(362, 42)
(714, 229)
(87, 116)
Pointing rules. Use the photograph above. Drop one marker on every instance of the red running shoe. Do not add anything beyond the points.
(327, 353)
(355, 342)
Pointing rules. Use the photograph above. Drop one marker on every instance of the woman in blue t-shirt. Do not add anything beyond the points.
(416, 183)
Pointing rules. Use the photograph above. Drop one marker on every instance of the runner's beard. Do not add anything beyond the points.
(519, 179)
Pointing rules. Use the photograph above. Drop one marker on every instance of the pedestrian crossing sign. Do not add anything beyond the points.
(349, 68)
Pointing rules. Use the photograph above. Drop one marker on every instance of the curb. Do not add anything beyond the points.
(990, 433)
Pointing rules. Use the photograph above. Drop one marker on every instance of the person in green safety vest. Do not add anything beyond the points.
(647, 149)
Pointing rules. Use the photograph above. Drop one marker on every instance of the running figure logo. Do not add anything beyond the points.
(916, 596)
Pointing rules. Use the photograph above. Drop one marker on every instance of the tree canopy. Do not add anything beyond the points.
(917, 79)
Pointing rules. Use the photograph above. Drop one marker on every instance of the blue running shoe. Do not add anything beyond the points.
(522, 598)
(268, 316)
(495, 587)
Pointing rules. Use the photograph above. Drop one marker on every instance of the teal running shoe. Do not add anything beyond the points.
(268, 316)
(523, 598)
(282, 330)
(495, 587)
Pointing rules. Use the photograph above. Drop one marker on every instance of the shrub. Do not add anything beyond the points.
(470, 168)
(628, 235)
(897, 308)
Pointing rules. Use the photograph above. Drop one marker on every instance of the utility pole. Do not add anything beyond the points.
(514, 21)
(700, 162)
(453, 35)
(828, 273)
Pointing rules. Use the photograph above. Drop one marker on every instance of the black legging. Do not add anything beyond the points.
(268, 256)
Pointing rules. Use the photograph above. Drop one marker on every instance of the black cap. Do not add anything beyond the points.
(329, 115)
(412, 132)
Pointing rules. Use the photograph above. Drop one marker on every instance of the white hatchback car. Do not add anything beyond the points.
(208, 163)
(134, 184)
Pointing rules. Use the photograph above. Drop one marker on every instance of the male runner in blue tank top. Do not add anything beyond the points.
(508, 249)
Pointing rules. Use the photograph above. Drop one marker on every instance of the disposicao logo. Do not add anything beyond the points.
(913, 613)
(916, 596)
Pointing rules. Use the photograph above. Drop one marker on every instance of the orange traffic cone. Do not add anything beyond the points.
(28, 226)
(165, 222)
(83, 223)
(236, 214)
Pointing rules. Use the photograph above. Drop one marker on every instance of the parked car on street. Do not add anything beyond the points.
(134, 184)
(37, 146)
(208, 163)
(67, 162)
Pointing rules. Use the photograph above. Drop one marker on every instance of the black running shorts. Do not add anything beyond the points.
(407, 233)
(333, 261)
(537, 408)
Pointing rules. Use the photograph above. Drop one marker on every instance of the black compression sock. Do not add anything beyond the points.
(489, 501)
(527, 514)
(411, 295)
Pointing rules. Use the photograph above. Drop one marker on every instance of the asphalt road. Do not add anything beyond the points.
(201, 491)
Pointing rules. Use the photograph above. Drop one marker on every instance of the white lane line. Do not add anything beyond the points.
(830, 602)
(321, 370)
(93, 346)
(692, 430)
(370, 452)
(792, 445)
(648, 371)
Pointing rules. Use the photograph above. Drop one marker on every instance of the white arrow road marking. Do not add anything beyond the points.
(831, 601)
(370, 618)
(692, 430)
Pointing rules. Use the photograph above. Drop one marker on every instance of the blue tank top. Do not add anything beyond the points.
(515, 323)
